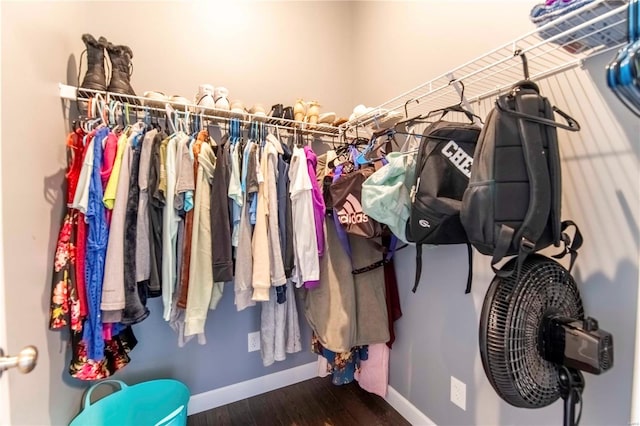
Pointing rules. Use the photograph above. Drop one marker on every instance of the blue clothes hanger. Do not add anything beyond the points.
(622, 74)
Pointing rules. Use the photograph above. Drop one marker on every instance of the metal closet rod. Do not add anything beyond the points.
(216, 119)
(137, 103)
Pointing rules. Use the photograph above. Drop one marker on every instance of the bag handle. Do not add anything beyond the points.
(572, 125)
(87, 397)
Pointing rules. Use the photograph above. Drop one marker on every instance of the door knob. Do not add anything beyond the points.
(25, 361)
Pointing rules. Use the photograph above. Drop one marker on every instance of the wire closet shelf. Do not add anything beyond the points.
(140, 104)
(555, 47)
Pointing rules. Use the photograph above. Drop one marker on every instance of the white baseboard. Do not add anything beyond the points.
(238, 391)
(407, 409)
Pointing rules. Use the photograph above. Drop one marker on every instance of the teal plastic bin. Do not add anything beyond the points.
(155, 403)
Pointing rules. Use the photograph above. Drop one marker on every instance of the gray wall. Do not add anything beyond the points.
(257, 50)
(437, 335)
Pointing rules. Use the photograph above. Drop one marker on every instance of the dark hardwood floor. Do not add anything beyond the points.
(312, 402)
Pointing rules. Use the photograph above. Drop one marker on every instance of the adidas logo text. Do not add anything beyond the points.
(351, 211)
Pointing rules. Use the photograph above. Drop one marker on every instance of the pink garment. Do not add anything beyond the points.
(107, 331)
(373, 375)
(318, 201)
(108, 159)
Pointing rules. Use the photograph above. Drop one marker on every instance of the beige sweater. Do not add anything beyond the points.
(261, 278)
(203, 292)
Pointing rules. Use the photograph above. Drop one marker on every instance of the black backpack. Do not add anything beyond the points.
(512, 203)
(443, 168)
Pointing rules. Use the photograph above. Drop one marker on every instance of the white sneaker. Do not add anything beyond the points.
(221, 98)
(155, 99)
(205, 96)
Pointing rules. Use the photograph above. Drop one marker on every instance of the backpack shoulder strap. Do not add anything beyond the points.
(537, 215)
(537, 166)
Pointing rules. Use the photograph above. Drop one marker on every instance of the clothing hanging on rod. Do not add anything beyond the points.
(176, 212)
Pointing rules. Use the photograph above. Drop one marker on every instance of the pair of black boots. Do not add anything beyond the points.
(279, 111)
(121, 67)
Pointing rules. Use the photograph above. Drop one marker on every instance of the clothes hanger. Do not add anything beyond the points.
(457, 107)
(147, 118)
(622, 72)
(171, 118)
(197, 127)
(102, 109)
(374, 147)
(115, 117)
(406, 113)
(155, 119)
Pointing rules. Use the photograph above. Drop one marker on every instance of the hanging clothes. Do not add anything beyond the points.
(113, 289)
(67, 297)
(135, 297)
(269, 170)
(235, 192)
(97, 237)
(279, 328)
(177, 218)
(305, 242)
(261, 279)
(110, 189)
(222, 260)
(285, 221)
(341, 365)
(244, 259)
(81, 197)
(108, 160)
(373, 374)
(156, 209)
(202, 294)
(279, 325)
(77, 151)
(183, 286)
(347, 310)
(170, 224)
(143, 238)
(318, 200)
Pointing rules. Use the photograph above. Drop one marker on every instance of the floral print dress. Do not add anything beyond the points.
(341, 366)
(68, 299)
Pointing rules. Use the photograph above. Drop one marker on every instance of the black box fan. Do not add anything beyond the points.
(534, 339)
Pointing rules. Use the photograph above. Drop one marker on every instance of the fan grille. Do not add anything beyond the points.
(605, 362)
(509, 327)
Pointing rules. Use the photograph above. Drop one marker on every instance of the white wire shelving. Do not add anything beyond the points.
(555, 47)
(138, 105)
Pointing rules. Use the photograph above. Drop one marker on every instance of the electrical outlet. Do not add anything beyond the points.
(458, 393)
(254, 341)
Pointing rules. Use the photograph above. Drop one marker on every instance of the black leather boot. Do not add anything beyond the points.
(120, 57)
(94, 78)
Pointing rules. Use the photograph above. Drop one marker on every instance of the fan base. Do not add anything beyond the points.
(571, 386)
